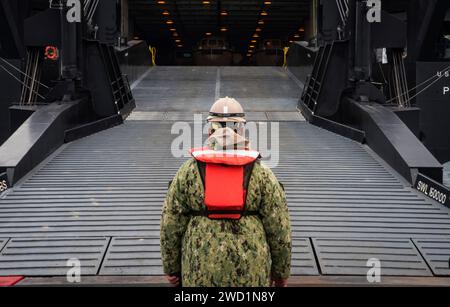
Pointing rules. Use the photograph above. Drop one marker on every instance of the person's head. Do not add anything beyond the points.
(227, 112)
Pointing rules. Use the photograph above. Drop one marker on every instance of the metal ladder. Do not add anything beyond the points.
(311, 92)
(119, 83)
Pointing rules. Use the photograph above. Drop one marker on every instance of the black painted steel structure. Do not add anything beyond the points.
(360, 79)
(60, 54)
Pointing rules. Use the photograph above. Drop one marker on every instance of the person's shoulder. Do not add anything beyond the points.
(262, 171)
(188, 164)
(265, 177)
(262, 167)
(187, 167)
(185, 174)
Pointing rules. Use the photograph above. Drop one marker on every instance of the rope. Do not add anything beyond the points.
(18, 80)
(153, 54)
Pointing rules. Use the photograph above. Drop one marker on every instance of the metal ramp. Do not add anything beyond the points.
(99, 199)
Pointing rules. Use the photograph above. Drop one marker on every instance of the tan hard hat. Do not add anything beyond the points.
(227, 110)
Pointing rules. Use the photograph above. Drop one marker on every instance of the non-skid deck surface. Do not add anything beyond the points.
(194, 89)
(99, 200)
(174, 93)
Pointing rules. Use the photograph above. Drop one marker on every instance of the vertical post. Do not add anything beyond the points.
(313, 23)
(351, 34)
(125, 24)
(362, 39)
(68, 45)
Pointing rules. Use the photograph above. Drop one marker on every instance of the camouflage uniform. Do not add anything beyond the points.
(245, 252)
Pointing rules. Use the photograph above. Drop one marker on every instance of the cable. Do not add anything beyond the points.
(405, 79)
(434, 76)
(423, 90)
(400, 83)
(17, 69)
(32, 76)
(92, 10)
(347, 7)
(20, 81)
(35, 77)
(382, 73)
(341, 11)
(423, 83)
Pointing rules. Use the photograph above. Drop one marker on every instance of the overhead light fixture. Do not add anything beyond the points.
(254, 41)
(175, 34)
(258, 30)
(180, 46)
(206, 2)
(297, 36)
(301, 29)
(172, 29)
(165, 13)
(251, 46)
(161, 2)
(264, 13)
(224, 13)
(223, 29)
(267, 2)
(169, 22)
(256, 35)
(291, 41)
(261, 22)
(178, 41)
(208, 33)
(249, 54)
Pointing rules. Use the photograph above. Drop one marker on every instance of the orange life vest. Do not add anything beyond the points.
(225, 176)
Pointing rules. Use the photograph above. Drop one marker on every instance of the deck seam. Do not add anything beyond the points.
(423, 257)
(4, 245)
(316, 258)
(105, 252)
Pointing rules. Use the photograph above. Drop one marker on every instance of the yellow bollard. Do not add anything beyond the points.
(153, 54)
(286, 49)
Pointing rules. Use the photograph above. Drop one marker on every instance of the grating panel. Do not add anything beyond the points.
(436, 254)
(303, 260)
(133, 256)
(350, 257)
(2, 243)
(50, 256)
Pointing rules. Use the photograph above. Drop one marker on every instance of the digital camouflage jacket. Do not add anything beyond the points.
(226, 253)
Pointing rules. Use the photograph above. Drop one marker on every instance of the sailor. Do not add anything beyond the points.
(225, 220)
